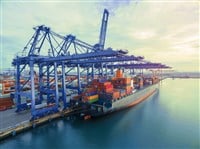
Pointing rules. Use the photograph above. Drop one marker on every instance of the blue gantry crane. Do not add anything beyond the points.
(49, 59)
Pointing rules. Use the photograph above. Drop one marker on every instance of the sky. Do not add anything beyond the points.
(165, 31)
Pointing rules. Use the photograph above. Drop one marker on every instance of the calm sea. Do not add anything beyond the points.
(170, 119)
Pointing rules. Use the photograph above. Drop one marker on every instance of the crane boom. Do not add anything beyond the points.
(102, 35)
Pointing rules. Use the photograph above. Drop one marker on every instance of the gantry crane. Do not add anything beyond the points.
(54, 57)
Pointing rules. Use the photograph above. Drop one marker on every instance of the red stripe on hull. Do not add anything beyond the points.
(141, 98)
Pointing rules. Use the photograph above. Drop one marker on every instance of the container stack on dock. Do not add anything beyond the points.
(6, 87)
(6, 104)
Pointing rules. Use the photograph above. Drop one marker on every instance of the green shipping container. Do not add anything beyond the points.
(93, 100)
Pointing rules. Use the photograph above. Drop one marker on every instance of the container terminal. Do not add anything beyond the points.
(57, 76)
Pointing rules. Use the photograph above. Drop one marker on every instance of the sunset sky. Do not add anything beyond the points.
(161, 31)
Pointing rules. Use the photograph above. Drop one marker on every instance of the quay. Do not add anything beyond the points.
(20, 122)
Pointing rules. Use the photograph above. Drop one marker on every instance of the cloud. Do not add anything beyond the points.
(166, 32)
(162, 32)
(143, 34)
(113, 5)
(62, 17)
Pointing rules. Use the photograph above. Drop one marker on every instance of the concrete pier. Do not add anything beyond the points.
(12, 123)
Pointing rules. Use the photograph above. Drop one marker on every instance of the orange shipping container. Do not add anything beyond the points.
(103, 88)
(107, 83)
(108, 90)
(119, 73)
(127, 80)
(9, 84)
(116, 94)
(122, 94)
(127, 87)
(102, 84)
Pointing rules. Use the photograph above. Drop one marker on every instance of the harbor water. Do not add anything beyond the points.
(169, 119)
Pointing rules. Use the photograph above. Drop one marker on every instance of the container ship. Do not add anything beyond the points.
(106, 96)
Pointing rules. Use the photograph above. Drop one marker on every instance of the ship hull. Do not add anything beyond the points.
(128, 101)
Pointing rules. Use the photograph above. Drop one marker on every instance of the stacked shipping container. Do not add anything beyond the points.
(122, 83)
(118, 87)
(104, 91)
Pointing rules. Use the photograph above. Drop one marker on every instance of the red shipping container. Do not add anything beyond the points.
(108, 90)
(107, 83)
(104, 83)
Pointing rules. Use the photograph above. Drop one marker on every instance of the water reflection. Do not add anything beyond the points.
(169, 119)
